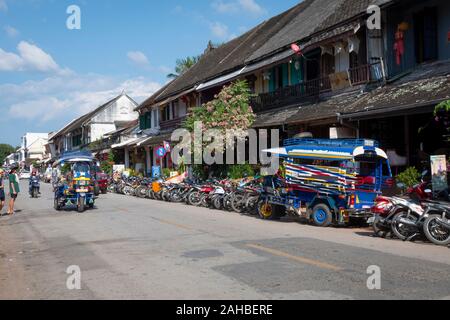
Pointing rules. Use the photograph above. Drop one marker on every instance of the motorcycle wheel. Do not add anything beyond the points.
(195, 199)
(436, 233)
(237, 203)
(226, 203)
(34, 193)
(128, 191)
(268, 211)
(401, 231)
(217, 202)
(111, 188)
(381, 231)
(175, 196)
(141, 192)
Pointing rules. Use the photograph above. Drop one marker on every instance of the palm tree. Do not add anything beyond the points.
(182, 65)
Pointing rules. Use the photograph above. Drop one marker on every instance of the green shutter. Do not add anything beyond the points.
(142, 122)
(285, 74)
(296, 75)
(272, 80)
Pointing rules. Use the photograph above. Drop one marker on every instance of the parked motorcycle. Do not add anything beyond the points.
(437, 225)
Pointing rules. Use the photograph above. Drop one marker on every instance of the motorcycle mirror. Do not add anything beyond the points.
(400, 185)
(428, 191)
(424, 173)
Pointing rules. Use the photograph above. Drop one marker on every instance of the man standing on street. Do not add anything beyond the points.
(2, 191)
(14, 189)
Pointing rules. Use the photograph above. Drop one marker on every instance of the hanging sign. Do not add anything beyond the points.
(439, 173)
(156, 171)
(161, 152)
(167, 146)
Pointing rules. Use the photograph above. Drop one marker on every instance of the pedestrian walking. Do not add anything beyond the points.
(2, 191)
(14, 189)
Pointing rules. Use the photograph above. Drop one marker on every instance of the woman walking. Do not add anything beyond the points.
(14, 189)
(2, 191)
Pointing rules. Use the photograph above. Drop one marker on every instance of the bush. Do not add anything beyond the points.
(240, 171)
(166, 172)
(409, 177)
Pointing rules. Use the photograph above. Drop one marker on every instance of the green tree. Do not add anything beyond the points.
(5, 150)
(107, 165)
(183, 65)
(230, 113)
(442, 117)
(230, 110)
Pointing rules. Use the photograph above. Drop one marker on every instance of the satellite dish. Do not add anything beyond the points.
(296, 49)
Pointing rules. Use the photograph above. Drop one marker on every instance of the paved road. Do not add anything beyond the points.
(131, 248)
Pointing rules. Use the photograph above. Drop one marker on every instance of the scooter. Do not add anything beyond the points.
(437, 226)
(35, 187)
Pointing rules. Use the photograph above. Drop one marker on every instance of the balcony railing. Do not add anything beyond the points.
(311, 89)
(171, 124)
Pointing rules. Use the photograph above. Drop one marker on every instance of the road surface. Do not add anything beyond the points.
(129, 248)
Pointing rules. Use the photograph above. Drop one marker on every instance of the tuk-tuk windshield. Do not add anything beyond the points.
(82, 167)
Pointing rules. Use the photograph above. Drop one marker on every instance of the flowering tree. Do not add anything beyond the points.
(230, 110)
(223, 120)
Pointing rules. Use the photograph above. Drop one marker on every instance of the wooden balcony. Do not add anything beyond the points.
(311, 89)
(171, 124)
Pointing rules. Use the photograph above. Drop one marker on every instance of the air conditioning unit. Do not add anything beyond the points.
(342, 133)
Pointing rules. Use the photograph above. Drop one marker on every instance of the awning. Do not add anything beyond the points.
(172, 98)
(125, 143)
(221, 80)
(157, 140)
(268, 62)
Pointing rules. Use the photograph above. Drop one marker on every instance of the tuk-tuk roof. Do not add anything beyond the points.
(328, 149)
(76, 156)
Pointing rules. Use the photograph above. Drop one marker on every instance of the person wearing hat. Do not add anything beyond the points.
(14, 189)
(2, 191)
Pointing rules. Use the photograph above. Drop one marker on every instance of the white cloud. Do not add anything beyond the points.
(57, 99)
(138, 58)
(219, 30)
(3, 5)
(252, 7)
(29, 58)
(11, 32)
(239, 6)
(35, 58)
(10, 61)
(225, 7)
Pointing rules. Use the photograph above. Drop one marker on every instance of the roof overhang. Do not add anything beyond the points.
(221, 80)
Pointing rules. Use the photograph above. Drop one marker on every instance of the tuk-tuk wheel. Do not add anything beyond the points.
(56, 204)
(268, 211)
(322, 216)
(80, 207)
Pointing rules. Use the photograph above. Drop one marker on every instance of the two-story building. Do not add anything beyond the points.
(318, 68)
(91, 127)
(32, 148)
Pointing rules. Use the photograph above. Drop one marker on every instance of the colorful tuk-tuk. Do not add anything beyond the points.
(328, 182)
(76, 185)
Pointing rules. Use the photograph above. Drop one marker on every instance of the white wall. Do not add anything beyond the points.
(121, 110)
(100, 129)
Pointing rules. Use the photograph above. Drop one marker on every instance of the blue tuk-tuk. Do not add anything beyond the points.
(328, 182)
(76, 188)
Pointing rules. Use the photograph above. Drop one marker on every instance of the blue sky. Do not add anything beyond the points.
(50, 74)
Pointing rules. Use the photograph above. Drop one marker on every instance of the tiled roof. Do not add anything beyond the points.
(427, 84)
(231, 55)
